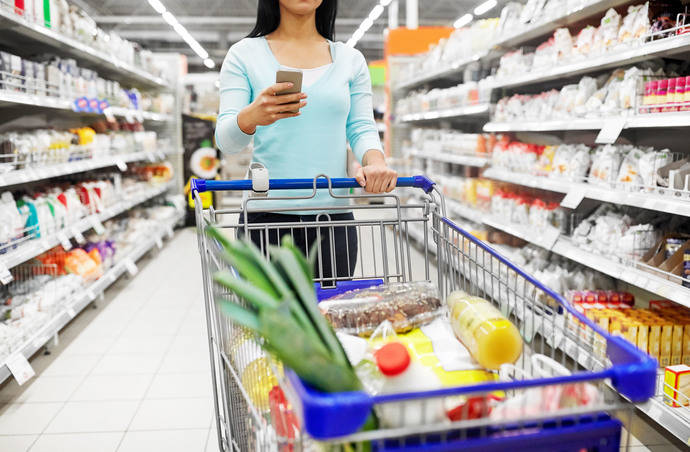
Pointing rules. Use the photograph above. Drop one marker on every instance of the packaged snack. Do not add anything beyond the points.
(491, 338)
(677, 385)
(405, 305)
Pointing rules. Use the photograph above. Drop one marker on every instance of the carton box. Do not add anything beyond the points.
(677, 385)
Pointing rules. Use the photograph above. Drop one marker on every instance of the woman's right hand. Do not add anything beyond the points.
(269, 107)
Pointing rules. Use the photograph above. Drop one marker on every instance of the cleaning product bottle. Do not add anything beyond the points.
(491, 338)
(403, 375)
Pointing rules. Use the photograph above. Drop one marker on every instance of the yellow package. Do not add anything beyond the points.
(686, 344)
(677, 385)
(665, 344)
(677, 345)
(642, 335)
(654, 340)
(629, 331)
(470, 191)
(434, 345)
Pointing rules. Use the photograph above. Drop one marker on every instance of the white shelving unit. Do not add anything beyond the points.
(72, 307)
(451, 113)
(63, 169)
(27, 36)
(675, 202)
(467, 160)
(24, 38)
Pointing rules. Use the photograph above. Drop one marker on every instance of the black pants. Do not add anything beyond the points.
(343, 241)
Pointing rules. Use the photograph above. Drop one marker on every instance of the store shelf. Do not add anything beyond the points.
(652, 120)
(675, 420)
(667, 47)
(450, 72)
(91, 292)
(568, 18)
(62, 169)
(19, 100)
(463, 211)
(670, 203)
(466, 160)
(27, 39)
(32, 248)
(451, 113)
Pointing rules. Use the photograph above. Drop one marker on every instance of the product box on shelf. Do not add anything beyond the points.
(667, 255)
(677, 385)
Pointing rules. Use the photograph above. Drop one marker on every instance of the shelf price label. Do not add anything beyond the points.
(121, 165)
(5, 275)
(64, 241)
(159, 242)
(611, 130)
(170, 231)
(78, 236)
(71, 312)
(573, 199)
(20, 368)
(97, 225)
(131, 267)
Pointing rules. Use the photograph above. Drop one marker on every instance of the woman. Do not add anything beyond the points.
(306, 134)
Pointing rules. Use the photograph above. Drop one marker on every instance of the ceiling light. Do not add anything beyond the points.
(182, 31)
(484, 7)
(464, 20)
(157, 5)
(385, 3)
(376, 12)
(366, 24)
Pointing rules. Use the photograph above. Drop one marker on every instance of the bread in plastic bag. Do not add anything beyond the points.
(405, 305)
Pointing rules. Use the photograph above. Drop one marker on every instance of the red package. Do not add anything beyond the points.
(283, 419)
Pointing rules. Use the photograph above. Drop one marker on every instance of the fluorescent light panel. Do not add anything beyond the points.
(484, 7)
(464, 20)
(368, 22)
(183, 32)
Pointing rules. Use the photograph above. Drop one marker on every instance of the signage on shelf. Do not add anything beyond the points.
(611, 130)
(20, 368)
(5, 275)
(573, 199)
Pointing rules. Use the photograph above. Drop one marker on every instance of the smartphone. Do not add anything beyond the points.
(295, 77)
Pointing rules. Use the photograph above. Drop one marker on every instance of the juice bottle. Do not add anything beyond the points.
(491, 338)
(671, 96)
(661, 94)
(686, 97)
(652, 95)
(679, 96)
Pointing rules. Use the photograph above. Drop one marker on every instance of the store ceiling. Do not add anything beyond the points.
(216, 24)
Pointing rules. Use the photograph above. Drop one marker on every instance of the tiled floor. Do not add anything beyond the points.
(130, 375)
(133, 374)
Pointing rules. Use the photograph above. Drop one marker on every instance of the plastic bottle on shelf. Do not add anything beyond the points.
(403, 375)
(491, 338)
(661, 94)
(671, 96)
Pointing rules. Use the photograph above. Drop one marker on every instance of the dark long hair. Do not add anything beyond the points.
(268, 18)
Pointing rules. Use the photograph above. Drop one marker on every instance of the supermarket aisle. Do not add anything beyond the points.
(131, 375)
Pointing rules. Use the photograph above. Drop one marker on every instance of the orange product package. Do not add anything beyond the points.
(80, 263)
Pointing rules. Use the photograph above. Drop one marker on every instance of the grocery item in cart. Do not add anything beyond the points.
(402, 375)
(405, 305)
(491, 338)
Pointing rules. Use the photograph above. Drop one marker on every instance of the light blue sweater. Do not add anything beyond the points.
(339, 110)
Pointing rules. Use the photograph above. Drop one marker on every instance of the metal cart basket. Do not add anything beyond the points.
(261, 406)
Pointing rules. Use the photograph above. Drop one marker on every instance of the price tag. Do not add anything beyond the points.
(64, 241)
(151, 157)
(109, 116)
(129, 117)
(121, 165)
(170, 231)
(71, 312)
(91, 294)
(131, 267)
(20, 368)
(5, 275)
(97, 225)
(611, 130)
(159, 242)
(78, 236)
(573, 198)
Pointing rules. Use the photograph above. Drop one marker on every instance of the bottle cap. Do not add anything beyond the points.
(392, 359)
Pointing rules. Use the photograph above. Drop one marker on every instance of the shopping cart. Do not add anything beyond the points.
(261, 407)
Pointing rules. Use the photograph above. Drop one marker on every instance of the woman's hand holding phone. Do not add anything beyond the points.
(269, 107)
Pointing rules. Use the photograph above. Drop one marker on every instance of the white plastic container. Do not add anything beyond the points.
(402, 375)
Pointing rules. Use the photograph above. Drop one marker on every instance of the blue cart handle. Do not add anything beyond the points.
(201, 185)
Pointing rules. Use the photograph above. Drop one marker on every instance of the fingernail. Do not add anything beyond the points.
(290, 84)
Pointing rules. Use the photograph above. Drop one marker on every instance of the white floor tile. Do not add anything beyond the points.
(138, 345)
(18, 443)
(164, 440)
(127, 364)
(112, 387)
(27, 418)
(170, 386)
(186, 363)
(43, 389)
(84, 417)
(89, 346)
(78, 442)
(171, 414)
(212, 443)
(71, 365)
